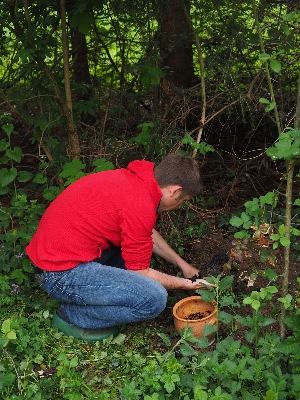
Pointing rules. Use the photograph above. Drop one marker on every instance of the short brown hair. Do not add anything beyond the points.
(176, 169)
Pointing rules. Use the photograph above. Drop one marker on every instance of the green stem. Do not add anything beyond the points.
(266, 64)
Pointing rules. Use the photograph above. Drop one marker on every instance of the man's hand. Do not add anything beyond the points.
(202, 283)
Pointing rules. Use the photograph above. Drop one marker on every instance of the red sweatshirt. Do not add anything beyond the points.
(118, 207)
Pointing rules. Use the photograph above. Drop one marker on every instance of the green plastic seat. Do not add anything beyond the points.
(89, 335)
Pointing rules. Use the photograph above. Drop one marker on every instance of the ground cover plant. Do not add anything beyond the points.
(89, 86)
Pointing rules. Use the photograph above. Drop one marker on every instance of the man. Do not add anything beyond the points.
(93, 246)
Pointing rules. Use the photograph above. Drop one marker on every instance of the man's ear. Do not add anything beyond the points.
(175, 191)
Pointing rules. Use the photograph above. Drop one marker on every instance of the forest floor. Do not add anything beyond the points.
(228, 196)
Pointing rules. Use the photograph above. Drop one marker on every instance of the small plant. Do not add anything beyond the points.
(221, 293)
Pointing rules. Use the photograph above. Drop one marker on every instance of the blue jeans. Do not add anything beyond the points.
(99, 295)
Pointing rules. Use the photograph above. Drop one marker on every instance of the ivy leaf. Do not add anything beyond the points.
(275, 65)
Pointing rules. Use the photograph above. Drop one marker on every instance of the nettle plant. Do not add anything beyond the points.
(257, 365)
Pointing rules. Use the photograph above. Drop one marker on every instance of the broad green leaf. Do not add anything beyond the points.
(225, 317)
(8, 379)
(40, 178)
(208, 329)
(253, 302)
(19, 276)
(51, 193)
(275, 66)
(270, 106)
(187, 350)
(297, 202)
(264, 101)
(120, 339)
(293, 16)
(8, 128)
(3, 190)
(268, 198)
(200, 393)
(295, 231)
(286, 301)
(3, 145)
(165, 339)
(15, 154)
(242, 234)
(102, 164)
(74, 362)
(282, 229)
(205, 295)
(236, 221)
(285, 28)
(26, 264)
(83, 21)
(24, 176)
(6, 326)
(11, 335)
(3, 343)
(264, 56)
(7, 176)
(72, 168)
(285, 241)
(226, 283)
(266, 321)
(271, 289)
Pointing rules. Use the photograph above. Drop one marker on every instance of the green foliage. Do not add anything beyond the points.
(287, 147)
(202, 147)
(19, 219)
(30, 349)
(150, 74)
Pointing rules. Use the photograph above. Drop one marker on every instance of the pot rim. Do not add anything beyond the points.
(184, 300)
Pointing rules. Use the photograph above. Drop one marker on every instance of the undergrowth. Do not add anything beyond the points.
(38, 362)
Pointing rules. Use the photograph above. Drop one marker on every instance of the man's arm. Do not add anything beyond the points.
(162, 249)
(170, 281)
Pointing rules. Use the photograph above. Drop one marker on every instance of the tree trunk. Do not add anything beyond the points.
(80, 65)
(176, 43)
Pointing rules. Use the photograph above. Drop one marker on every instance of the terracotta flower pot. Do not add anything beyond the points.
(183, 314)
